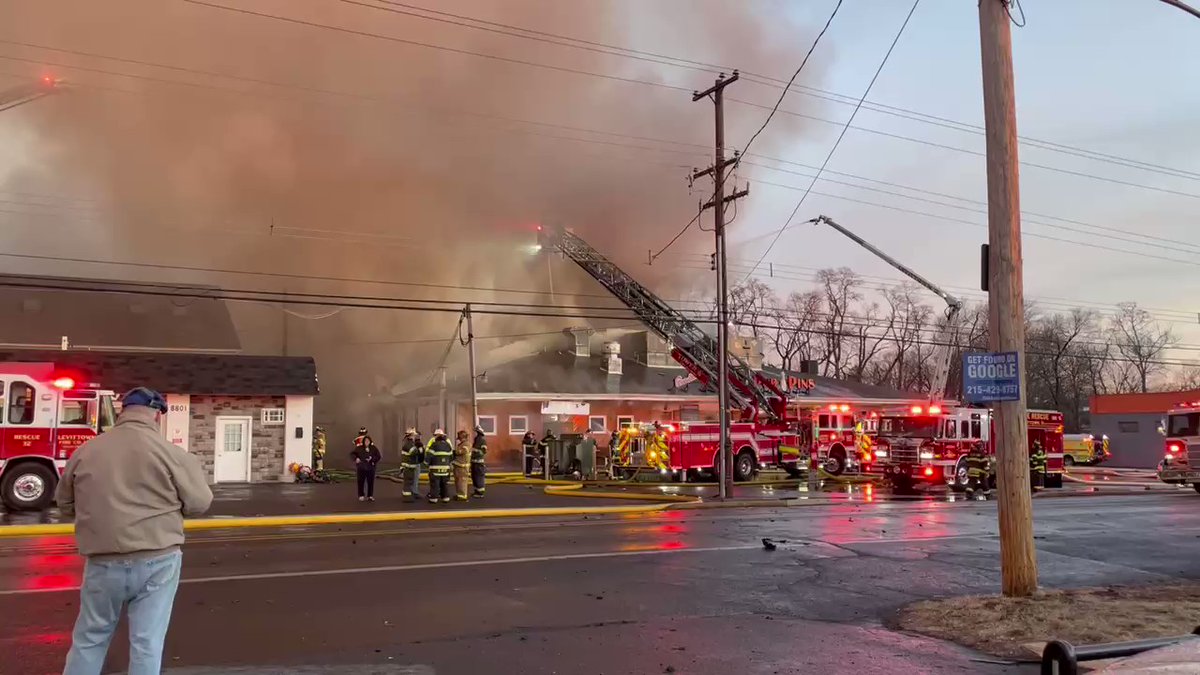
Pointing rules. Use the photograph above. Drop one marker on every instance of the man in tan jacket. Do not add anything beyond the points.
(129, 490)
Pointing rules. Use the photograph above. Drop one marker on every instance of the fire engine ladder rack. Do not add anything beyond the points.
(693, 348)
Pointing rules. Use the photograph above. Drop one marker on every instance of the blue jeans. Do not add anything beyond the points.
(147, 586)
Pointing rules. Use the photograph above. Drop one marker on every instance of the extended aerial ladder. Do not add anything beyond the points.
(694, 349)
(27, 93)
(937, 384)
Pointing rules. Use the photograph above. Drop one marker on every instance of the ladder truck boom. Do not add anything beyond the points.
(27, 93)
(694, 349)
(937, 385)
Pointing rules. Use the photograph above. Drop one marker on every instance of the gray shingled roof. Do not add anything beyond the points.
(39, 317)
(561, 372)
(183, 373)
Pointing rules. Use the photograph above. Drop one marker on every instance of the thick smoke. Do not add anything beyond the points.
(408, 175)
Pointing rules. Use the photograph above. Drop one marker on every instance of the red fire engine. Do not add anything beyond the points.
(930, 445)
(1182, 431)
(45, 414)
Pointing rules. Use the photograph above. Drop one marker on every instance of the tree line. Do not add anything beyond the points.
(896, 338)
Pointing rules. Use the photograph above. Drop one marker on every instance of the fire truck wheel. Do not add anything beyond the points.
(743, 465)
(28, 486)
(1068, 461)
(1196, 487)
(836, 462)
(960, 476)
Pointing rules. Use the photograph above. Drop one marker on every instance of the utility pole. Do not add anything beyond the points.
(442, 398)
(1006, 306)
(717, 204)
(471, 361)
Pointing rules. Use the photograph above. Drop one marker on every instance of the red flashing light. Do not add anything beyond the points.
(916, 409)
(843, 408)
(64, 383)
(929, 471)
(935, 410)
(539, 228)
(833, 407)
(1174, 448)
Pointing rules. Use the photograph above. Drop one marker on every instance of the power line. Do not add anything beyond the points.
(331, 301)
(841, 135)
(764, 80)
(723, 175)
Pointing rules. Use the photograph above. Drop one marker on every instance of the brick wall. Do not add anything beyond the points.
(504, 449)
(266, 443)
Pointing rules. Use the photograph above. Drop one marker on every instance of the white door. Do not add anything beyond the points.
(231, 462)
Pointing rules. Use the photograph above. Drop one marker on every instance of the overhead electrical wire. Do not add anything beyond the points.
(756, 78)
(841, 135)
(331, 301)
(770, 116)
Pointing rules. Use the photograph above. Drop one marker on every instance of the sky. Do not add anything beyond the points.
(431, 165)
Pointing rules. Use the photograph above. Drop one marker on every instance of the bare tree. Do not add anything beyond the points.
(794, 340)
(841, 290)
(750, 303)
(1058, 369)
(1140, 342)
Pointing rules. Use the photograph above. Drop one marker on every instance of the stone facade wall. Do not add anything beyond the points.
(266, 442)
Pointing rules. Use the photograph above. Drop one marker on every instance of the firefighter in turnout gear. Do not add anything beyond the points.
(658, 454)
(529, 447)
(977, 470)
(438, 456)
(318, 449)
(479, 463)
(462, 465)
(411, 455)
(1037, 464)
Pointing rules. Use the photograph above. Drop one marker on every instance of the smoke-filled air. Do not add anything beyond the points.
(334, 141)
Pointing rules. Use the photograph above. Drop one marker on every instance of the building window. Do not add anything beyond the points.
(1128, 427)
(488, 424)
(21, 403)
(624, 421)
(518, 424)
(598, 424)
(272, 417)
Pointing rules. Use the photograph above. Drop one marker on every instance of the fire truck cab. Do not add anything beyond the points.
(45, 414)
(1182, 431)
(835, 429)
(930, 445)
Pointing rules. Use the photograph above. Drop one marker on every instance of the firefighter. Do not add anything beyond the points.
(865, 447)
(479, 463)
(366, 458)
(623, 456)
(411, 455)
(438, 457)
(977, 470)
(543, 447)
(1037, 464)
(529, 446)
(658, 454)
(461, 464)
(318, 449)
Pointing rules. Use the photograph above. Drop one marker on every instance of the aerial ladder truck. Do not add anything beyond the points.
(765, 436)
(28, 93)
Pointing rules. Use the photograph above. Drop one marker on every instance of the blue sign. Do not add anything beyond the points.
(991, 377)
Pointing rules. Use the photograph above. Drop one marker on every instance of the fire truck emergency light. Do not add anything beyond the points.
(916, 409)
(934, 410)
(64, 383)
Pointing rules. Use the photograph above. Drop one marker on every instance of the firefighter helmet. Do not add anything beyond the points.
(439, 432)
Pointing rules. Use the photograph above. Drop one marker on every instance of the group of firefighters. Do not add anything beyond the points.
(981, 468)
(465, 460)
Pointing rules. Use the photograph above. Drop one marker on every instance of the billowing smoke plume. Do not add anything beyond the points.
(333, 154)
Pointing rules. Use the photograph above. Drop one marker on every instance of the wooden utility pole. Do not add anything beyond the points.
(1006, 301)
(717, 204)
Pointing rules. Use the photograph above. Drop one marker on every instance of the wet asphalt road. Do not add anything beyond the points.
(680, 591)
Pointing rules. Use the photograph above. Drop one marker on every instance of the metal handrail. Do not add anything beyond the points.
(1062, 658)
